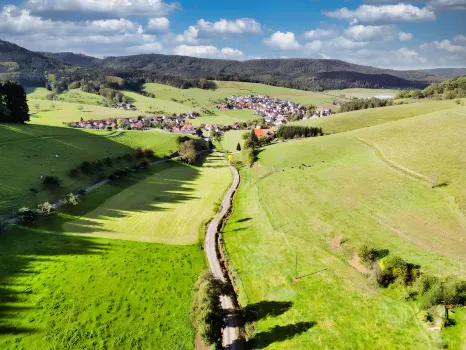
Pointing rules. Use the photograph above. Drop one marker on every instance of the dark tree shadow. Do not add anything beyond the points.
(244, 220)
(278, 334)
(264, 309)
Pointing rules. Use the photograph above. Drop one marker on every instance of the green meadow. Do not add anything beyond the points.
(361, 93)
(304, 208)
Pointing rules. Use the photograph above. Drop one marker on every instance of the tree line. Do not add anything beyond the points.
(449, 89)
(365, 103)
(291, 131)
(13, 103)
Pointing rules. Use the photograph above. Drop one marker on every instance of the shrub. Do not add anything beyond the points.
(109, 128)
(45, 209)
(187, 151)
(51, 181)
(33, 190)
(148, 152)
(128, 157)
(73, 173)
(112, 177)
(26, 216)
(86, 167)
(71, 199)
(128, 127)
(144, 164)
(108, 161)
(82, 192)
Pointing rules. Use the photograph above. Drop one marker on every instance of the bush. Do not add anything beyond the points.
(51, 181)
(128, 157)
(45, 209)
(26, 216)
(148, 152)
(399, 269)
(112, 177)
(86, 167)
(128, 127)
(144, 164)
(73, 173)
(108, 161)
(71, 199)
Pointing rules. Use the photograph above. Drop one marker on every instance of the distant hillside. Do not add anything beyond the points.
(305, 74)
(28, 67)
(73, 59)
(447, 72)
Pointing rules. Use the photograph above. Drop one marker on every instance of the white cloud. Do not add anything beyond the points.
(320, 33)
(237, 26)
(154, 47)
(383, 14)
(459, 39)
(282, 41)
(208, 51)
(123, 8)
(369, 33)
(189, 36)
(446, 5)
(159, 24)
(403, 36)
(445, 45)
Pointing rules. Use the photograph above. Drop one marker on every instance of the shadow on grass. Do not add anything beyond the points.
(278, 334)
(264, 309)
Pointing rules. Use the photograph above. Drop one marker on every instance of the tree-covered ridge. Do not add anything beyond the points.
(13, 103)
(448, 89)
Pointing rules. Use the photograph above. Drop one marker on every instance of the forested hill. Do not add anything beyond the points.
(306, 74)
(73, 59)
(447, 72)
(30, 69)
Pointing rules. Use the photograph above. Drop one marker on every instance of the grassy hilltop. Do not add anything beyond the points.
(306, 206)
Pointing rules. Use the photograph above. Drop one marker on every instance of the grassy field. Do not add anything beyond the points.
(301, 221)
(230, 140)
(60, 290)
(167, 207)
(156, 106)
(361, 93)
(28, 152)
(374, 116)
(226, 117)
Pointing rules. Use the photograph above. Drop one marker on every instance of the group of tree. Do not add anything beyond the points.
(13, 103)
(448, 89)
(206, 310)
(295, 131)
(365, 103)
(187, 151)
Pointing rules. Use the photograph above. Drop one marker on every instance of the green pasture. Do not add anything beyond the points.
(62, 290)
(167, 207)
(306, 205)
(230, 140)
(28, 152)
(226, 117)
(368, 117)
(157, 106)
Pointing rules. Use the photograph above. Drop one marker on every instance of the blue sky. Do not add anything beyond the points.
(383, 33)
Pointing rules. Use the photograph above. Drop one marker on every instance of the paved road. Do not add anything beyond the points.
(229, 334)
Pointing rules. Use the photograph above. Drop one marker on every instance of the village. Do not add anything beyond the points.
(270, 112)
(276, 112)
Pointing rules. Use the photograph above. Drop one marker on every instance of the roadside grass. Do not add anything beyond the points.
(368, 117)
(28, 152)
(301, 221)
(361, 93)
(60, 290)
(166, 207)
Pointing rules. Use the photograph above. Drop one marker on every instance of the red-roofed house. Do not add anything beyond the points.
(264, 133)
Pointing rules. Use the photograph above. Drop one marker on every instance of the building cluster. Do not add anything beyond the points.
(275, 112)
(179, 123)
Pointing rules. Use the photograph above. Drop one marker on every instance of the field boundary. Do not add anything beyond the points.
(394, 165)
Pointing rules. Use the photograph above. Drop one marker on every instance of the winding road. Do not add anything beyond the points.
(229, 333)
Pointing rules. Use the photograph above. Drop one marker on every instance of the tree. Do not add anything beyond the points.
(13, 103)
(254, 139)
(206, 311)
(71, 199)
(80, 108)
(37, 107)
(53, 106)
(238, 147)
(26, 216)
(45, 209)
(187, 151)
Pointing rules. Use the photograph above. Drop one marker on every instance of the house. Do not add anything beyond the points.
(260, 133)
(325, 110)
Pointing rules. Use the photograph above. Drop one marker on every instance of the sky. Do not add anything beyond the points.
(381, 33)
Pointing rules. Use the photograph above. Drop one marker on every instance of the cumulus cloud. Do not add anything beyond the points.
(208, 51)
(159, 24)
(369, 33)
(189, 36)
(459, 39)
(237, 26)
(121, 8)
(403, 36)
(283, 41)
(320, 33)
(383, 14)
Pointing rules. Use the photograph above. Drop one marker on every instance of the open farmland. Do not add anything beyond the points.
(301, 221)
(167, 207)
(28, 152)
(374, 116)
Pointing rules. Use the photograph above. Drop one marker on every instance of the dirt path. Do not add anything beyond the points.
(229, 334)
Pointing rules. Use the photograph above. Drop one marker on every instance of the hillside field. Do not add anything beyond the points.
(28, 152)
(306, 205)
(167, 207)
(361, 93)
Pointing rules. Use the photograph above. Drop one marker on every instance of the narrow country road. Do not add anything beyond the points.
(229, 334)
